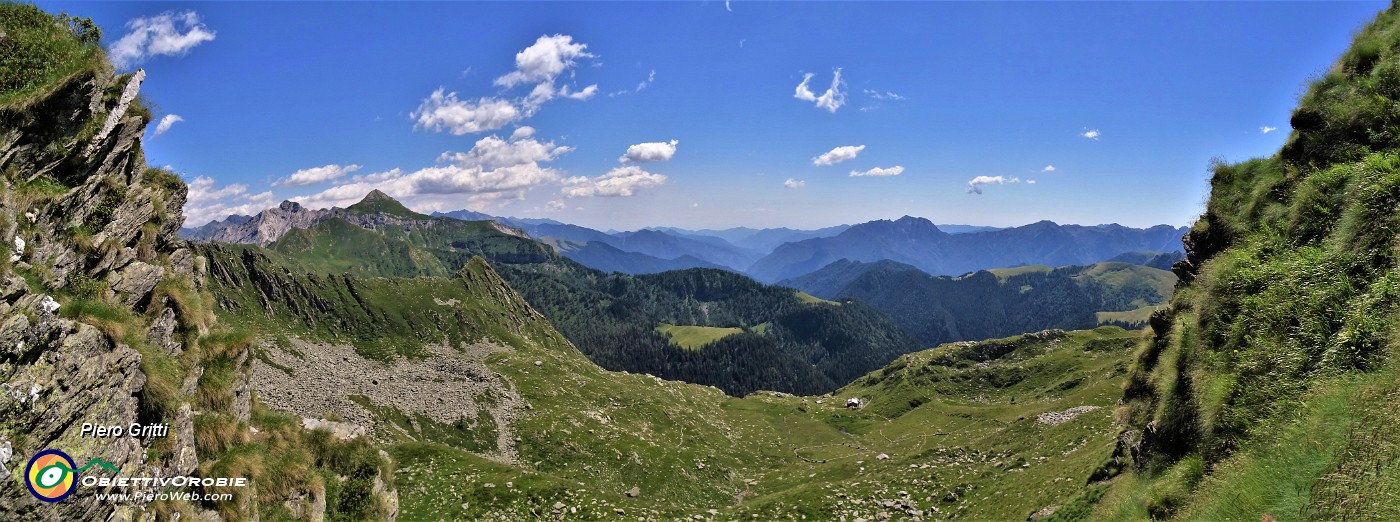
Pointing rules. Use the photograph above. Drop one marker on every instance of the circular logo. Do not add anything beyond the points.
(50, 475)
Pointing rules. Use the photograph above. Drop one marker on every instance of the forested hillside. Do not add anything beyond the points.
(995, 303)
(784, 343)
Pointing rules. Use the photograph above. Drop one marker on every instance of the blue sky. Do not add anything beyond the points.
(960, 105)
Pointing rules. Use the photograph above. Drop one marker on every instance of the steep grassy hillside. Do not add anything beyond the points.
(805, 347)
(1266, 387)
(947, 432)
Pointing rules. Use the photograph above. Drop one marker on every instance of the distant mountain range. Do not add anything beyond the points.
(921, 244)
(994, 303)
(774, 254)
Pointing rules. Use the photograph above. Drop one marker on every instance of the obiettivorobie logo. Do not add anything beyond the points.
(52, 475)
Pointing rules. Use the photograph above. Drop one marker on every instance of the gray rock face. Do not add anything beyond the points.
(67, 373)
(134, 283)
(162, 333)
(261, 229)
(103, 236)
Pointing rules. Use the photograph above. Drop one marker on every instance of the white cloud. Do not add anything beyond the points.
(647, 82)
(832, 99)
(378, 176)
(206, 202)
(794, 183)
(315, 175)
(166, 122)
(1030, 182)
(838, 155)
(545, 60)
(538, 66)
(654, 151)
(493, 171)
(555, 205)
(523, 131)
(726, 6)
(887, 95)
(584, 94)
(974, 185)
(1092, 134)
(618, 182)
(1267, 129)
(1048, 168)
(892, 171)
(166, 34)
(445, 112)
(492, 152)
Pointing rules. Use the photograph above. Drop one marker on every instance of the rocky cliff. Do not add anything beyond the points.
(104, 318)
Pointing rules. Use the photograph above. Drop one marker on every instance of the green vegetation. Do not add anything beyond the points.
(39, 51)
(807, 347)
(811, 299)
(693, 337)
(995, 303)
(951, 420)
(380, 203)
(1260, 391)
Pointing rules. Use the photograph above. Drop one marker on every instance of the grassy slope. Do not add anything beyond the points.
(37, 55)
(1269, 388)
(695, 337)
(590, 435)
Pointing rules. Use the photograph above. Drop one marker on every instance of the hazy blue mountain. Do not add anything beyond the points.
(670, 246)
(1159, 260)
(918, 242)
(965, 229)
(605, 257)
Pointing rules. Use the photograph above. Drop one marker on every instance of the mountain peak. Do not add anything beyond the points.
(377, 195)
(377, 202)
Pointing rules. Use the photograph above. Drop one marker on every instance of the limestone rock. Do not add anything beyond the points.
(162, 333)
(135, 282)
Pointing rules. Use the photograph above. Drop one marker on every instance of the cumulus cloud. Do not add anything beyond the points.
(794, 183)
(315, 175)
(832, 99)
(618, 182)
(654, 151)
(494, 170)
(537, 66)
(1092, 134)
(584, 94)
(545, 60)
(492, 152)
(445, 112)
(541, 64)
(838, 155)
(524, 131)
(1267, 129)
(166, 34)
(166, 122)
(1048, 168)
(207, 202)
(877, 171)
(555, 205)
(974, 185)
(1030, 182)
